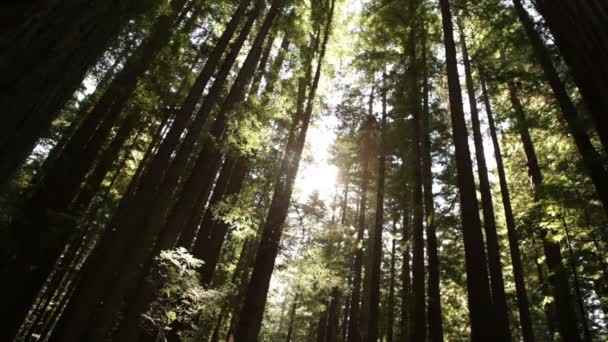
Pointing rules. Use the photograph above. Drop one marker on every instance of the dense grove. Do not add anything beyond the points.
(295, 170)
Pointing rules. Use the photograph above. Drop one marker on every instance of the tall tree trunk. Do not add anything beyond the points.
(558, 278)
(481, 312)
(418, 329)
(580, 300)
(251, 314)
(434, 293)
(132, 211)
(591, 158)
(489, 223)
(34, 260)
(390, 317)
(523, 304)
(208, 248)
(354, 333)
(406, 279)
(36, 87)
(376, 253)
(579, 29)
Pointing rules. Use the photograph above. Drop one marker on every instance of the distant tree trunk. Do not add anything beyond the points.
(434, 293)
(591, 94)
(292, 319)
(579, 29)
(36, 87)
(252, 312)
(481, 312)
(580, 300)
(406, 280)
(489, 223)
(558, 278)
(523, 304)
(333, 318)
(354, 333)
(376, 253)
(418, 328)
(209, 248)
(390, 317)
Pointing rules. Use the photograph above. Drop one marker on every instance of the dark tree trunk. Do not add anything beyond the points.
(34, 260)
(523, 304)
(481, 312)
(333, 316)
(580, 300)
(251, 314)
(292, 319)
(36, 87)
(434, 293)
(489, 223)
(108, 254)
(558, 278)
(376, 253)
(591, 158)
(406, 279)
(390, 317)
(354, 333)
(579, 29)
(418, 329)
(208, 248)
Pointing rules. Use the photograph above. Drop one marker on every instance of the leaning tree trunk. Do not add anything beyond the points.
(591, 158)
(579, 30)
(481, 312)
(523, 303)
(489, 223)
(558, 277)
(251, 314)
(36, 87)
(100, 268)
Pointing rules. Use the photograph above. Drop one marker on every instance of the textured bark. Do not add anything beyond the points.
(36, 87)
(433, 290)
(591, 158)
(489, 223)
(376, 253)
(579, 29)
(251, 314)
(558, 277)
(523, 304)
(481, 312)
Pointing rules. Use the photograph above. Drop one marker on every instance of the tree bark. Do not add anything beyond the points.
(481, 312)
(376, 253)
(433, 290)
(523, 304)
(406, 279)
(489, 223)
(390, 318)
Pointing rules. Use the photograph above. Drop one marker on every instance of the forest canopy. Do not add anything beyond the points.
(304, 170)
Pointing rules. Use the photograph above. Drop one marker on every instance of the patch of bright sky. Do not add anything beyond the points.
(316, 172)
